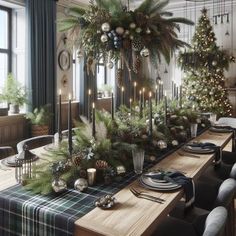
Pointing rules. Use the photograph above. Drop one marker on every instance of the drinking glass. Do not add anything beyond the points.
(193, 130)
(138, 159)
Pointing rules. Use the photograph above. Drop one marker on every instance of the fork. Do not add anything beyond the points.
(146, 196)
(187, 154)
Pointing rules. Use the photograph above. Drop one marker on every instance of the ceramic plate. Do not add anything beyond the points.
(220, 130)
(199, 150)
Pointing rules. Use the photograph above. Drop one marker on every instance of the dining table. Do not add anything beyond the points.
(74, 213)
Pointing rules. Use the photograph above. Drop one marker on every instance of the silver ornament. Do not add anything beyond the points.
(81, 185)
(175, 143)
(138, 30)
(120, 30)
(132, 25)
(162, 144)
(144, 52)
(214, 63)
(104, 38)
(106, 27)
(120, 170)
(148, 31)
(59, 185)
(110, 65)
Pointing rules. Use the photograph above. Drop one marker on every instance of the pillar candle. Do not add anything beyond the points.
(69, 127)
(93, 120)
(59, 116)
(150, 114)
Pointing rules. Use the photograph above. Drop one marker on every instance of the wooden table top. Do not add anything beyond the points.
(135, 216)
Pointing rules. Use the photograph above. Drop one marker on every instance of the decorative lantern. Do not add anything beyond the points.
(24, 166)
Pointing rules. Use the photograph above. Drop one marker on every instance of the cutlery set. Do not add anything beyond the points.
(144, 195)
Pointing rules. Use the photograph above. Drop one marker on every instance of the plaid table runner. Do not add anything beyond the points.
(23, 213)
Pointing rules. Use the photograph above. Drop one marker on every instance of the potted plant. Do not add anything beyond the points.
(14, 94)
(40, 120)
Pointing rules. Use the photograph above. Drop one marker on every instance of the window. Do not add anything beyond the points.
(5, 43)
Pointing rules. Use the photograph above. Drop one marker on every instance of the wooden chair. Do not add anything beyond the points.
(34, 142)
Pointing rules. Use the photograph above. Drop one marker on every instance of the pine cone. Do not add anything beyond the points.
(119, 77)
(136, 64)
(137, 45)
(100, 164)
(77, 159)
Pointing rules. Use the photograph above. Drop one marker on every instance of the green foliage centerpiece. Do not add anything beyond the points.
(110, 30)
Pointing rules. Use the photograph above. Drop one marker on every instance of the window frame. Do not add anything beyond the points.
(8, 51)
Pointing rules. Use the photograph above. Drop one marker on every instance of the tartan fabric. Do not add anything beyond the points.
(28, 214)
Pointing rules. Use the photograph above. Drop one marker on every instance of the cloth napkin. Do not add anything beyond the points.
(178, 178)
(208, 145)
(187, 184)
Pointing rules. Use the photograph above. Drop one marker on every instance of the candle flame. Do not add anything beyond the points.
(150, 94)
(143, 89)
(93, 105)
(140, 92)
(165, 93)
(135, 84)
(89, 91)
(156, 87)
(59, 92)
(69, 96)
(122, 89)
(130, 100)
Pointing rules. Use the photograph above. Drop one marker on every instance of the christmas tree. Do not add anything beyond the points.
(204, 65)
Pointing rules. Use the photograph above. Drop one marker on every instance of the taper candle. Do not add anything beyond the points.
(89, 105)
(112, 105)
(172, 89)
(122, 95)
(69, 127)
(93, 120)
(150, 114)
(130, 106)
(156, 94)
(162, 89)
(59, 116)
(165, 108)
(144, 97)
(135, 87)
(140, 104)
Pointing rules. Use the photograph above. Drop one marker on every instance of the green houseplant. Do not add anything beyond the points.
(40, 120)
(14, 94)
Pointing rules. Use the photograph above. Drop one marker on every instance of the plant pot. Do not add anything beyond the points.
(38, 130)
(14, 109)
(3, 111)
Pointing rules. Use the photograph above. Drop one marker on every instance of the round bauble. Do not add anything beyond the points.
(131, 37)
(148, 31)
(120, 30)
(104, 38)
(138, 30)
(214, 63)
(132, 25)
(175, 143)
(110, 64)
(144, 52)
(211, 93)
(120, 170)
(106, 27)
(162, 144)
(81, 185)
(59, 185)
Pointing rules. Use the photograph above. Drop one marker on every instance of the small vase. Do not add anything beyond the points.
(193, 130)
(14, 109)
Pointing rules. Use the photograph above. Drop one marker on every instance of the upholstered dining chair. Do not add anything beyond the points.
(34, 142)
(212, 224)
(6, 152)
(228, 121)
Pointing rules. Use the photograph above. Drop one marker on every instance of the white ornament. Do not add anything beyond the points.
(120, 30)
(131, 37)
(106, 27)
(144, 52)
(59, 185)
(138, 30)
(148, 31)
(132, 25)
(104, 38)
